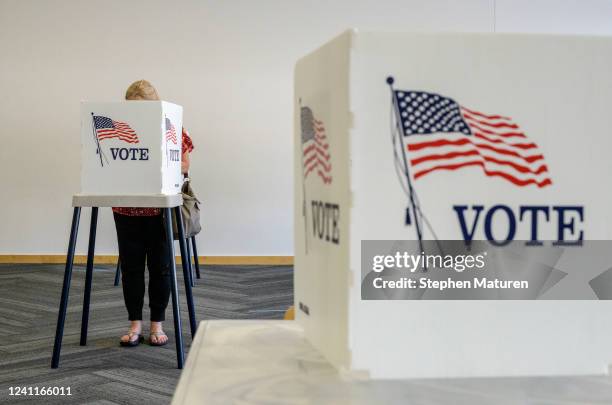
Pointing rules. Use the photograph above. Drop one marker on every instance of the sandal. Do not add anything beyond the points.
(130, 342)
(158, 334)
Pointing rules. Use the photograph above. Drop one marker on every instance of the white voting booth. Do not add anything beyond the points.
(130, 157)
(542, 104)
(131, 147)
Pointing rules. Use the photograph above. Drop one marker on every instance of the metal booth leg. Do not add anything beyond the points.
(189, 266)
(196, 260)
(61, 316)
(89, 274)
(118, 272)
(186, 271)
(178, 334)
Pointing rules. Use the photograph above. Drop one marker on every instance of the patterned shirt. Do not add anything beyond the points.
(187, 147)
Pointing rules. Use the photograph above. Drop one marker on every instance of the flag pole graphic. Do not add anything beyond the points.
(95, 135)
(304, 213)
(417, 224)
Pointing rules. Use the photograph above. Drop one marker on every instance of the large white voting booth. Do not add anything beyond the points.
(131, 147)
(555, 90)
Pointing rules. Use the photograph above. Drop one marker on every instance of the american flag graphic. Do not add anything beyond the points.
(170, 132)
(441, 135)
(315, 147)
(107, 128)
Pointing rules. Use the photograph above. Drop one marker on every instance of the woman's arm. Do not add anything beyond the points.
(185, 163)
(187, 147)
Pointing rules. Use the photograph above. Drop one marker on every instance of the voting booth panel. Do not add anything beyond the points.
(131, 147)
(321, 195)
(501, 138)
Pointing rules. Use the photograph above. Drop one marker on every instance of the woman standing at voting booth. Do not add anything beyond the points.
(142, 239)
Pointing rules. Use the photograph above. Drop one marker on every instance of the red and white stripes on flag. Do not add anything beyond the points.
(107, 128)
(170, 132)
(441, 135)
(315, 147)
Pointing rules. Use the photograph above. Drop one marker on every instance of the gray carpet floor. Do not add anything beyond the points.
(103, 372)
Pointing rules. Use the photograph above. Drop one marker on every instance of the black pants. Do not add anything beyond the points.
(143, 239)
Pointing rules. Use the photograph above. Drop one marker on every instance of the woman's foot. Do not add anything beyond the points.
(157, 337)
(134, 334)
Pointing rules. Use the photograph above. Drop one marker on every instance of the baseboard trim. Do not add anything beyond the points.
(112, 259)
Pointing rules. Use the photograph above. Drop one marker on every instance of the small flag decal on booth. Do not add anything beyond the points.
(170, 132)
(107, 128)
(315, 147)
(440, 135)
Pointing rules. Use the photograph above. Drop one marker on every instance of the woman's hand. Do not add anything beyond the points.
(185, 163)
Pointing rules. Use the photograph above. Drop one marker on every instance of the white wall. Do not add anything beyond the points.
(229, 63)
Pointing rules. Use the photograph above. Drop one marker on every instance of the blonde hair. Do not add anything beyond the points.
(141, 90)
